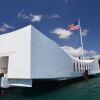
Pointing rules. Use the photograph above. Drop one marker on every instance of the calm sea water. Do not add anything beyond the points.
(80, 90)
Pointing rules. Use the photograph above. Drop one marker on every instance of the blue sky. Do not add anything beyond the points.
(51, 17)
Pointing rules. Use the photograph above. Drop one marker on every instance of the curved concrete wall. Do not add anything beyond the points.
(95, 67)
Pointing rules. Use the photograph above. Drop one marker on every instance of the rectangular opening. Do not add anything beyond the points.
(4, 64)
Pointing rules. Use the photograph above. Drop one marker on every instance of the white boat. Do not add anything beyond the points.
(27, 54)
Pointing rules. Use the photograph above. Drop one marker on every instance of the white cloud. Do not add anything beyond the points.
(84, 32)
(36, 18)
(23, 16)
(5, 27)
(2, 29)
(77, 51)
(31, 17)
(92, 52)
(97, 56)
(55, 16)
(62, 33)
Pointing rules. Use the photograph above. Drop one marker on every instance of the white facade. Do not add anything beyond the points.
(32, 55)
(16, 45)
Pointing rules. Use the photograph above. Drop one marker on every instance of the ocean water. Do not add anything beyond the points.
(63, 90)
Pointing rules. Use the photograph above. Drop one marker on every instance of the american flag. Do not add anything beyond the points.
(74, 26)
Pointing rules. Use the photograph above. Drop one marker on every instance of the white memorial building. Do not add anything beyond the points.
(27, 54)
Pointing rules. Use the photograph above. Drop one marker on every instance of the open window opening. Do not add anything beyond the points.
(4, 64)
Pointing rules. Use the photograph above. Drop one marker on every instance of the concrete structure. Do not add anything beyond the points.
(27, 54)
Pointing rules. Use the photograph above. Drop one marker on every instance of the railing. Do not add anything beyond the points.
(81, 66)
(3, 70)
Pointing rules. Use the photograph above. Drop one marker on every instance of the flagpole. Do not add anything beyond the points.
(81, 40)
